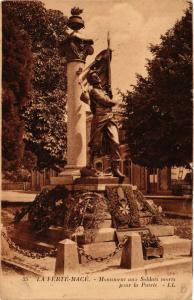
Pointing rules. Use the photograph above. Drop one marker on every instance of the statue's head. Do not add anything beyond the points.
(93, 78)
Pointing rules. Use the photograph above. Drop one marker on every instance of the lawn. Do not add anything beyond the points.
(182, 226)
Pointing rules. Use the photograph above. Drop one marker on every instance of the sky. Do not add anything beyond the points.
(133, 25)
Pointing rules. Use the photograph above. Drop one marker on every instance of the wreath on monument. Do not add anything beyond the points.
(126, 206)
(149, 206)
(48, 208)
(123, 206)
(63, 208)
(85, 210)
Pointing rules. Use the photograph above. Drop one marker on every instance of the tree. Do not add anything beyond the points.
(16, 85)
(45, 135)
(45, 115)
(159, 133)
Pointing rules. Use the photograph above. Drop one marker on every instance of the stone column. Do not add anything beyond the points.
(76, 121)
(76, 49)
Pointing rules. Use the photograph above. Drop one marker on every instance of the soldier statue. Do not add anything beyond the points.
(104, 139)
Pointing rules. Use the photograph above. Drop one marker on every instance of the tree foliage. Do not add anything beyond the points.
(45, 115)
(160, 131)
(16, 85)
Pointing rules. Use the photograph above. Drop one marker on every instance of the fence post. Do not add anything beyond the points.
(67, 257)
(5, 250)
(132, 254)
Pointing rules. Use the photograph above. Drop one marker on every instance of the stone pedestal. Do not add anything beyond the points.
(132, 255)
(85, 183)
(67, 257)
(5, 250)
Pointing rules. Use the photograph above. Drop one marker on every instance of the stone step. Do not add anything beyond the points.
(121, 233)
(175, 246)
(101, 235)
(161, 230)
(56, 234)
(97, 180)
(105, 224)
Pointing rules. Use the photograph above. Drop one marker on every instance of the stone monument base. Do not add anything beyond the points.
(109, 233)
(106, 239)
(76, 183)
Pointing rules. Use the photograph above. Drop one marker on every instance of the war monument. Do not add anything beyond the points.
(86, 215)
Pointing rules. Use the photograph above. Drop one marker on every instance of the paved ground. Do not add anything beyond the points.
(17, 196)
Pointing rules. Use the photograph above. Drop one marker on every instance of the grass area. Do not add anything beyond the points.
(182, 226)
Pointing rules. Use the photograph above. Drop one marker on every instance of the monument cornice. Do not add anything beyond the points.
(77, 49)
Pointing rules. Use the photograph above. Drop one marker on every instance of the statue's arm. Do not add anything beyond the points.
(101, 98)
(85, 97)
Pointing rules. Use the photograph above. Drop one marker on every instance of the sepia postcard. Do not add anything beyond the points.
(97, 127)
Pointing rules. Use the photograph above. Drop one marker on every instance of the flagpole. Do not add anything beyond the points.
(109, 69)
